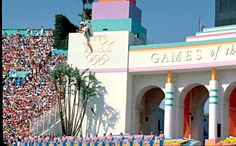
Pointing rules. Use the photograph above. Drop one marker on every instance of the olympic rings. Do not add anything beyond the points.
(97, 59)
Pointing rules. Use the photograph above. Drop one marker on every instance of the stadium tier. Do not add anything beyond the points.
(27, 87)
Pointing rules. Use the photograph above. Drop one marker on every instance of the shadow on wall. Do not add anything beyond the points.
(104, 117)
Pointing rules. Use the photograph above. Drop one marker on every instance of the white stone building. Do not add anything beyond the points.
(137, 77)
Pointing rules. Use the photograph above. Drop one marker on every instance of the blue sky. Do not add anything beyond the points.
(165, 20)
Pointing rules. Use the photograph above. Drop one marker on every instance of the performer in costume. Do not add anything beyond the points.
(151, 139)
(47, 140)
(31, 140)
(140, 138)
(110, 139)
(80, 140)
(55, 140)
(88, 140)
(96, 140)
(161, 137)
(131, 139)
(103, 140)
(71, 139)
(121, 139)
(26, 141)
(40, 141)
(63, 140)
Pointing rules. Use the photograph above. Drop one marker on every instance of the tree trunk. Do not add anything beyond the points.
(75, 116)
(69, 110)
(60, 110)
(82, 118)
(83, 7)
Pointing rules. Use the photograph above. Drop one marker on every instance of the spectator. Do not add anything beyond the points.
(25, 99)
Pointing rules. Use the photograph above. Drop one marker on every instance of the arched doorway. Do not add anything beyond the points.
(232, 113)
(194, 103)
(151, 116)
(229, 111)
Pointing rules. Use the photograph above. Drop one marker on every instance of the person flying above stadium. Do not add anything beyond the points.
(85, 29)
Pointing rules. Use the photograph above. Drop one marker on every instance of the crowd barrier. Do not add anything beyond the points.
(45, 121)
(22, 31)
(76, 143)
(60, 51)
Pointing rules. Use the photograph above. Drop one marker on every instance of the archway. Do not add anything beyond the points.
(229, 111)
(194, 103)
(151, 116)
(232, 113)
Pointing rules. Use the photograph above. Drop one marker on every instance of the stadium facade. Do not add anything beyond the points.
(137, 77)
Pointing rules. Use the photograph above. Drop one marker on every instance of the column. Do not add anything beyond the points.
(213, 102)
(169, 104)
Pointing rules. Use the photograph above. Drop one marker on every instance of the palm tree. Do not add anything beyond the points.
(83, 85)
(58, 79)
(86, 12)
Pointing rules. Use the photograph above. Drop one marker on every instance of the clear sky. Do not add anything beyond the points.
(165, 20)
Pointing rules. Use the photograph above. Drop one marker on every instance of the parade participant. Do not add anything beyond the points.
(55, 140)
(59, 140)
(121, 139)
(151, 139)
(40, 141)
(103, 140)
(26, 141)
(110, 139)
(71, 139)
(51, 142)
(88, 140)
(161, 137)
(140, 138)
(80, 140)
(31, 138)
(131, 139)
(63, 140)
(96, 140)
(47, 140)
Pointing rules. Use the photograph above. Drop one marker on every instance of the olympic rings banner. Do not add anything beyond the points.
(110, 50)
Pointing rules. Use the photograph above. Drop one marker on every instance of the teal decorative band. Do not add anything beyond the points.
(169, 98)
(213, 96)
(169, 92)
(169, 104)
(213, 90)
(213, 102)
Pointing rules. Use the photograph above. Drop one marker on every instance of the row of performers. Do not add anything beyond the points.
(104, 140)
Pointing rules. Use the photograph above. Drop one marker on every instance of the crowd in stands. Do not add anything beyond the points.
(109, 140)
(27, 97)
